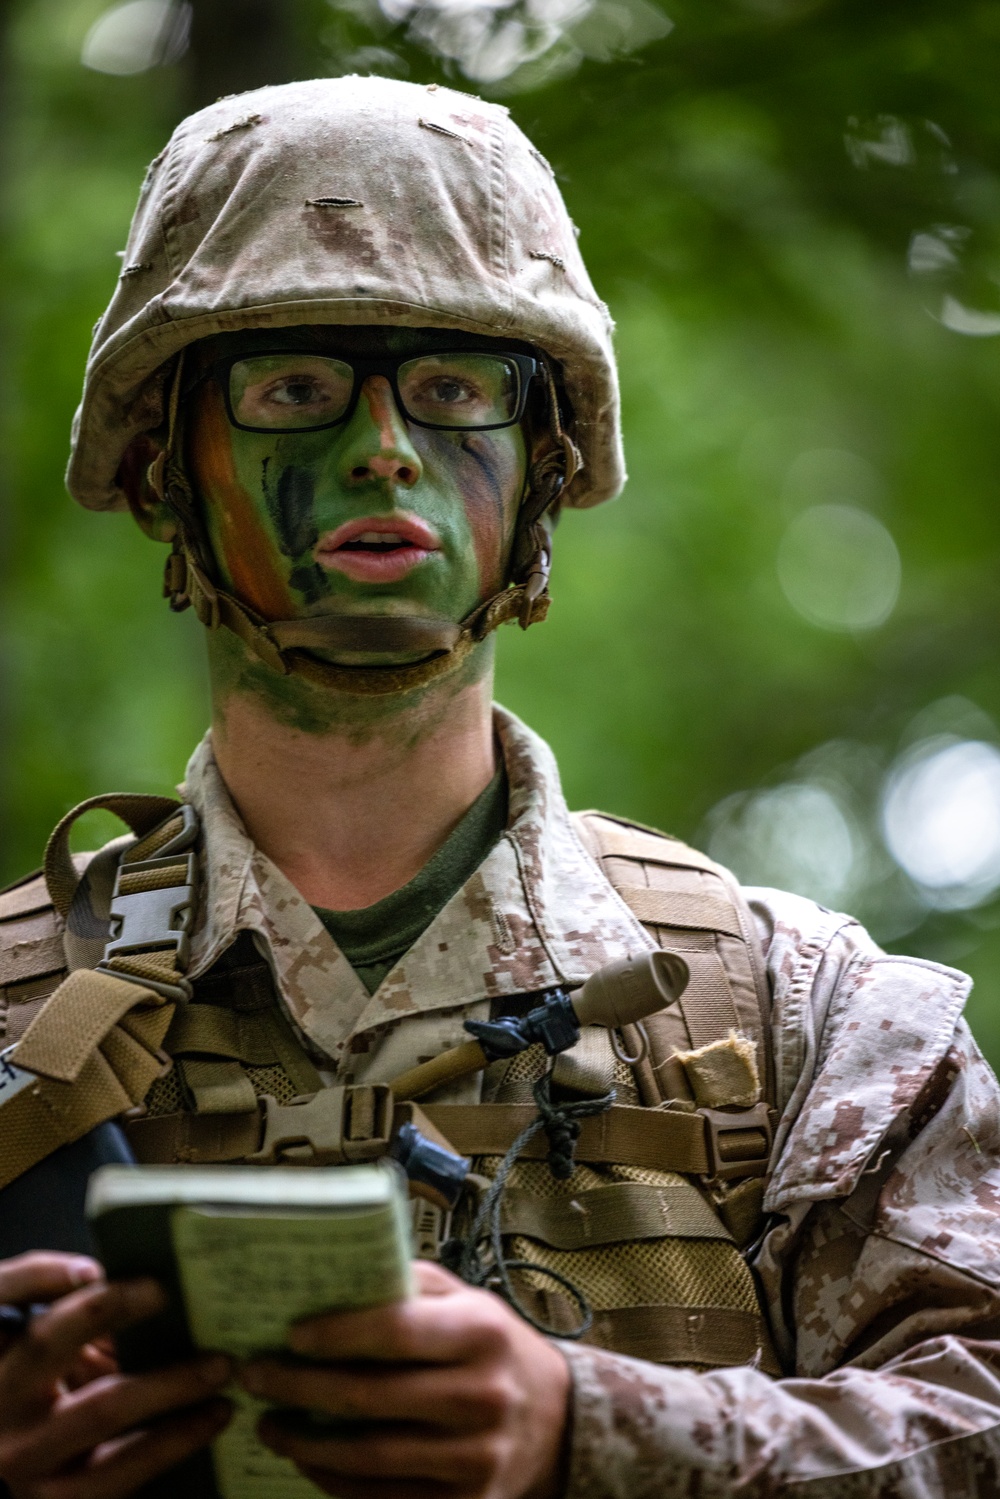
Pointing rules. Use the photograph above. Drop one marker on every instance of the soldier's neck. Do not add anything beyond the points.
(351, 810)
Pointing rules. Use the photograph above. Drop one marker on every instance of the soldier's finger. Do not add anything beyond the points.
(121, 1467)
(435, 1280)
(43, 1277)
(107, 1408)
(448, 1328)
(52, 1341)
(91, 1363)
(377, 1488)
(396, 1454)
(442, 1396)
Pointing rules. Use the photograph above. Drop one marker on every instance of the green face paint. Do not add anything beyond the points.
(374, 516)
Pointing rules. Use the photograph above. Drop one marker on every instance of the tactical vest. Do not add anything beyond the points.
(665, 1194)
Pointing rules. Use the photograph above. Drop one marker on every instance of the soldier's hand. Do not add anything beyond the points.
(469, 1399)
(72, 1426)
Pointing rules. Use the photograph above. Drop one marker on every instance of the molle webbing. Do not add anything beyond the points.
(661, 1196)
(93, 1046)
(636, 1228)
(703, 1337)
(693, 906)
(665, 1140)
(649, 1226)
(32, 960)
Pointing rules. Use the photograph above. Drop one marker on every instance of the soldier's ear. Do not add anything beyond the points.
(149, 511)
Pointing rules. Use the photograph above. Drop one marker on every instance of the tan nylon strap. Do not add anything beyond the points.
(135, 1059)
(257, 1040)
(222, 1033)
(365, 632)
(611, 1215)
(218, 1087)
(202, 1139)
(659, 1139)
(713, 1336)
(624, 841)
(94, 1046)
(31, 960)
(676, 908)
(291, 1054)
(215, 608)
(707, 1003)
(28, 897)
(212, 1138)
(588, 1067)
(141, 813)
(473, 1129)
(48, 1114)
(74, 1020)
(38, 1120)
(141, 880)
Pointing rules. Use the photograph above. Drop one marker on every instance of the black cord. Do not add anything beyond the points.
(466, 1256)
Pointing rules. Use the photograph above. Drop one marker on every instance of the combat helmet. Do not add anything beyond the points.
(338, 201)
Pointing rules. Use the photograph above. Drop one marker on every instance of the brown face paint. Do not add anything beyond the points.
(240, 542)
(491, 502)
(274, 504)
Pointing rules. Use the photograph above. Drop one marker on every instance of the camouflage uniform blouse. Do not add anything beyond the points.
(880, 1264)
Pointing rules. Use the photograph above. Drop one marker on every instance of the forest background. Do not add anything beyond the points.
(782, 642)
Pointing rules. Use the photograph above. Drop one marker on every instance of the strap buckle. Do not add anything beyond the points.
(159, 919)
(153, 920)
(738, 1144)
(333, 1127)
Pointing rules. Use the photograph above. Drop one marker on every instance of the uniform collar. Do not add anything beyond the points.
(537, 912)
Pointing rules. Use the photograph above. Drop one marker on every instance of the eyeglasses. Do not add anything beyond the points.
(296, 392)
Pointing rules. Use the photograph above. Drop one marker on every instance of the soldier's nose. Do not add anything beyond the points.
(382, 449)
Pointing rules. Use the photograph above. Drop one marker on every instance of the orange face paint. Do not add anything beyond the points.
(240, 542)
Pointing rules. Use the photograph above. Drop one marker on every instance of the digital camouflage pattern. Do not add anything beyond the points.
(880, 1267)
(537, 913)
(345, 200)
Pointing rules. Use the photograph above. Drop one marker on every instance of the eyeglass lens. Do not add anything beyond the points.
(302, 392)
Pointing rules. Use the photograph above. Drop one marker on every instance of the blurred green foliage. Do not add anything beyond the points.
(785, 205)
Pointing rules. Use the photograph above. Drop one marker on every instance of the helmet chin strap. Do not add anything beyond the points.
(440, 645)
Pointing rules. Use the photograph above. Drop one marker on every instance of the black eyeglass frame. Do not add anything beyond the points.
(529, 368)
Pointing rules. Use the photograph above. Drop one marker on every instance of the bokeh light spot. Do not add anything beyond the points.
(136, 36)
(796, 837)
(839, 568)
(941, 819)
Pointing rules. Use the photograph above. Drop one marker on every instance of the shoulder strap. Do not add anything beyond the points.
(92, 1047)
(693, 906)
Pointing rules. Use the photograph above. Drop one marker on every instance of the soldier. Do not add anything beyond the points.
(352, 370)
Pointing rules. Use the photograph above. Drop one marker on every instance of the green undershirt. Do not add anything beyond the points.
(375, 938)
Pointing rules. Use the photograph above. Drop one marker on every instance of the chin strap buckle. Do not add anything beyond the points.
(175, 580)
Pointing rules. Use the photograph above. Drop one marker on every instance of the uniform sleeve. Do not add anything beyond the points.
(880, 1270)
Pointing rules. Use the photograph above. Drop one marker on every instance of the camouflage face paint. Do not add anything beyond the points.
(374, 516)
(242, 541)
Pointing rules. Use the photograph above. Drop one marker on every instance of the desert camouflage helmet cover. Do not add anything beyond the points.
(345, 200)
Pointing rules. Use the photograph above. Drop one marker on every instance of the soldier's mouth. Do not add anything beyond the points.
(377, 548)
